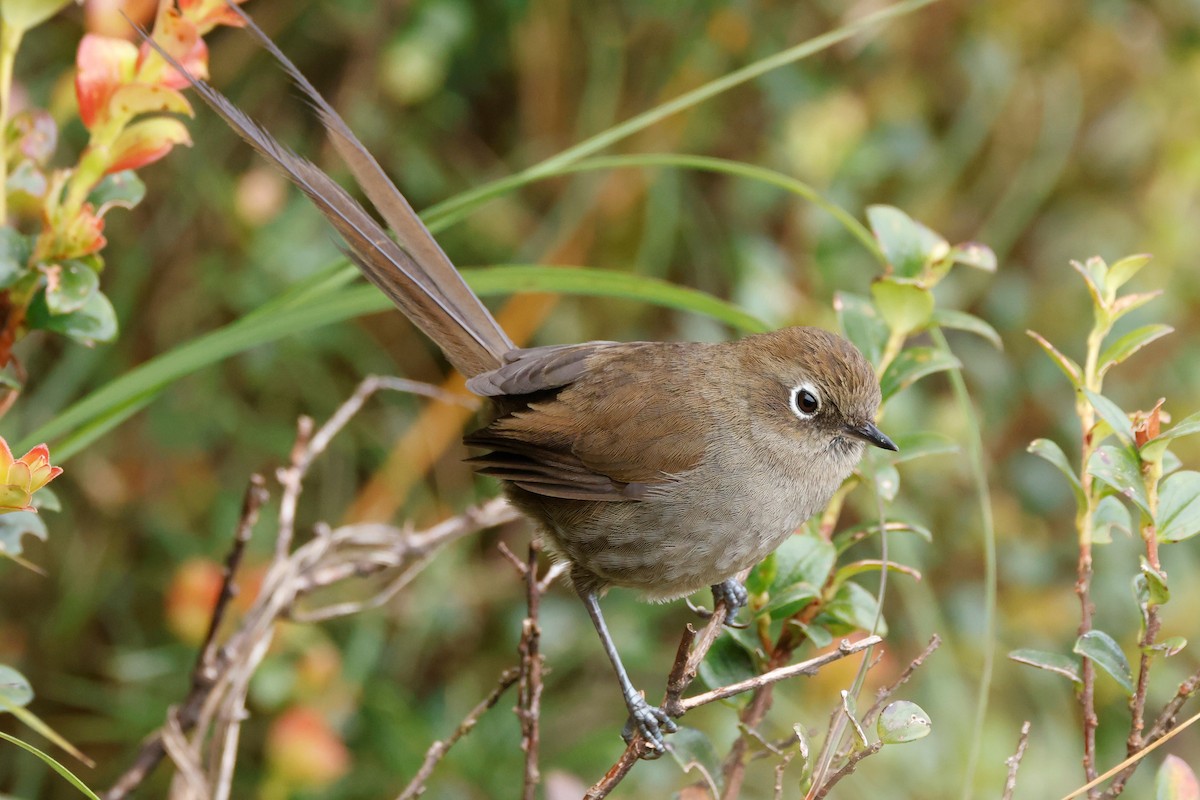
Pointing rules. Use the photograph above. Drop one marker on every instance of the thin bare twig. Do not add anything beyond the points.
(529, 688)
(204, 674)
(210, 718)
(847, 768)
(808, 667)
(437, 751)
(1013, 762)
(885, 693)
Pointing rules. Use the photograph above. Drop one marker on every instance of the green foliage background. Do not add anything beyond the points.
(1048, 131)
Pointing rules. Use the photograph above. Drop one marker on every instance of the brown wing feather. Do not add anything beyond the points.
(598, 436)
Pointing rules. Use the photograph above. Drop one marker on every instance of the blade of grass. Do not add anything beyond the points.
(742, 170)
(459, 206)
(111, 404)
(54, 765)
(974, 453)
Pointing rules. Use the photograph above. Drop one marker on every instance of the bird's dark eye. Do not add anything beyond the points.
(805, 402)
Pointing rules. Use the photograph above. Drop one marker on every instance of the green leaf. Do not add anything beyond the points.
(1057, 663)
(761, 576)
(117, 190)
(1104, 652)
(94, 322)
(17, 524)
(1170, 646)
(907, 245)
(1176, 781)
(844, 539)
(1067, 365)
(1157, 591)
(904, 306)
(1050, 451)
(1122, 272)
(1117, 468)
(1153, 449)
(726, 663)
(54, 765)
(1179, 506)
(69, 286)
(1129, 344)
(861, 323)
(15, 251)
(1111, 413)
(1110, 514)
(885, 477)
(25, 14)
(920, 444)
(804, 558)
(911, 365)
(792, 599)
(693, 750)
(872, 565)
(15, 690)
(852, 608)
(974, 254)
(901, 722)
(1123, 305)
(1093, 272)
(817, 634)
(962, 321)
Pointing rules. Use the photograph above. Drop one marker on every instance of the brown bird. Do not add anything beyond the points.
(659, 467)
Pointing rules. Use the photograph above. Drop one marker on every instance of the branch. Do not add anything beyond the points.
(1014, 763)
(437, 751)
(205, 672)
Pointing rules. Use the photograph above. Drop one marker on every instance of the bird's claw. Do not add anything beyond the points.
(733, 594)
(651, 722)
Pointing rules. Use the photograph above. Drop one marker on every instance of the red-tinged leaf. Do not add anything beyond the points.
(80, 236)
(101, 65)
(147, 141)
(1123, 305)
(207, 14)
(139, 98)
(180, 38)
(1176, 781)
(1067, 365)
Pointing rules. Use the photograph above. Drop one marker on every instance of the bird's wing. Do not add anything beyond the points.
(586, 424)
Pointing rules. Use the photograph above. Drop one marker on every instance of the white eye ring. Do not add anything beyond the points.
(805, 401)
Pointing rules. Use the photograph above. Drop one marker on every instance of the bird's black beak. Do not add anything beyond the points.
(872, 435)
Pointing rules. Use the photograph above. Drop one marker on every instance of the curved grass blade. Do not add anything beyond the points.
(457, 207)
(54, 765)
(115, 402)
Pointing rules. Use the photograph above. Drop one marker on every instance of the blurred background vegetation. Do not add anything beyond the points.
(1048, 131)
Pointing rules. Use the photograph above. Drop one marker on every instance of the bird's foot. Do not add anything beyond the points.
(733, 594)
(651, 722)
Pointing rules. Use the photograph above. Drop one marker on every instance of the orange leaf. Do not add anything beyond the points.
(179, 37)
(101, 65)
(208, 14)
(140, 98)
(146, 142)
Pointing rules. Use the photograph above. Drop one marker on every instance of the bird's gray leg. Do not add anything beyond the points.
(651, 722)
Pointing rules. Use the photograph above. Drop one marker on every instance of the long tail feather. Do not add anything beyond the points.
(417, 277)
